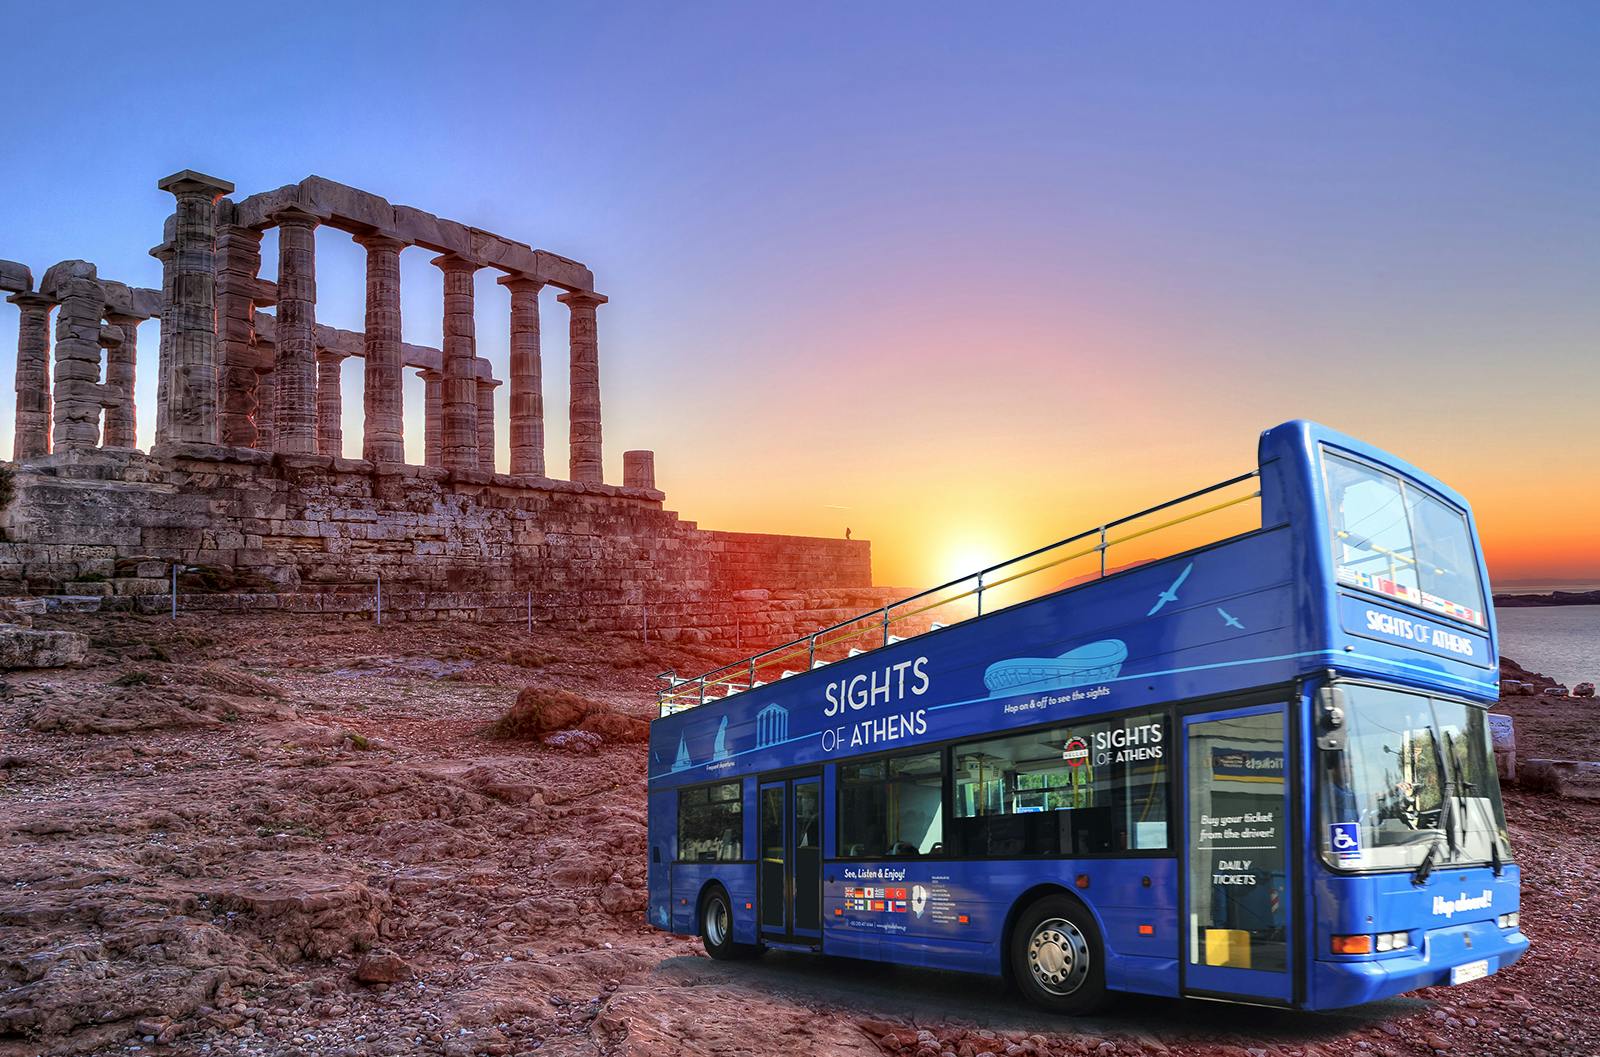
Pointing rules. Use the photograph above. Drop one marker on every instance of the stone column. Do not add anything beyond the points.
(121, 429)
(238, 268)
(460, 443)
(32, 436)
(584, 418)
(77, 394)
(527, 382)
(266, 410)
(330, 404)
(486, 388)
(191, 311)
(382, 402)
(433, 418)
(639, 469)
(295, 368)
(163, 253)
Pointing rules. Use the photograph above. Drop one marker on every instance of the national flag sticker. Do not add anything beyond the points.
(1345, 838)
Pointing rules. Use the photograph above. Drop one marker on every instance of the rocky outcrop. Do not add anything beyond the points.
(22, 647)
(555, 715)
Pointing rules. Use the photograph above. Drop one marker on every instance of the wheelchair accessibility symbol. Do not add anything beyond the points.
(1346, 840)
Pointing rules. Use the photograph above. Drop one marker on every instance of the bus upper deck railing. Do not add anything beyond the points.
(876, 626)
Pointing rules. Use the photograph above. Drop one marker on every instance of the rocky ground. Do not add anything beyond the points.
(263, 836)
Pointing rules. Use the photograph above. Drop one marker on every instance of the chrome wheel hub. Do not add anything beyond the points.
(717, 922)
(1058, 956)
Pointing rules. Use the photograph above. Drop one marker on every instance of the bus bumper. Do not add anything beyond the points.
(1336, 983)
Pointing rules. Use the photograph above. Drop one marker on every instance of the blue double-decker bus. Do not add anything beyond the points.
(1233, 747)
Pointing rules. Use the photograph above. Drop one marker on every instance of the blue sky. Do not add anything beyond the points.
(1069, 257)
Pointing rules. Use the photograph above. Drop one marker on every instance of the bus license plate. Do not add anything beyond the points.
(1471, 971)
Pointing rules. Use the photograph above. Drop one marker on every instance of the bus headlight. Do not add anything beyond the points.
(1511, 920)
(1393, 941)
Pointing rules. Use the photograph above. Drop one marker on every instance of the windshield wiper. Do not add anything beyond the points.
(1425, 867)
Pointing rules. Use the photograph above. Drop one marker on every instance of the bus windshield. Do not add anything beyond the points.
(1393, 538)
(1415, 778)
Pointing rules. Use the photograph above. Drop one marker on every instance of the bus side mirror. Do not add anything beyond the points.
(1330, 718)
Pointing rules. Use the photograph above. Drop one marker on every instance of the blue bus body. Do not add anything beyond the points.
(1233, 878)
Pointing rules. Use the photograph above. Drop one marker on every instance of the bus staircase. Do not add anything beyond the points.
(1206, 516)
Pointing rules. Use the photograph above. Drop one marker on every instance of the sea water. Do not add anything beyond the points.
(1562, 642)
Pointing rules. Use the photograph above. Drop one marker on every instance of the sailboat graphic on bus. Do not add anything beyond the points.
(1091, 663)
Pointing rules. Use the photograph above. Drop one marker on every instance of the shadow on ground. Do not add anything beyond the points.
(929, 996)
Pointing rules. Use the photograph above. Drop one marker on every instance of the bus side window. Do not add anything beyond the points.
(711, 823)
(1095, 787)
(892, 807)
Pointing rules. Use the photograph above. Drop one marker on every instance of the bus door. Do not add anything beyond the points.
(1239, 935)
(791, 859)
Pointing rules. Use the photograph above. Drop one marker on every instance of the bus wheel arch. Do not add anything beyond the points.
(1052, 922)
(714, 922)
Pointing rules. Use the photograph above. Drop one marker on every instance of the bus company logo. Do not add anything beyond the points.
(1446, 908)
(1418, 632)
(1075, 752)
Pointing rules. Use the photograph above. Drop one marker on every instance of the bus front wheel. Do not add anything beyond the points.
(1056, 956)
(716, 926)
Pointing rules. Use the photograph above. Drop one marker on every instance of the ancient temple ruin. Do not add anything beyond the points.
(246, 485)
(233, 375)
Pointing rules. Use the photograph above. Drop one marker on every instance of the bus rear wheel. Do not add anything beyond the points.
(1056, 957)
(716, 926)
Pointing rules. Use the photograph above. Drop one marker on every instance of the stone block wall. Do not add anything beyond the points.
(317, 534)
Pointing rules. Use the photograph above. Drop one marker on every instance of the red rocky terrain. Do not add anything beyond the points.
(277, 836)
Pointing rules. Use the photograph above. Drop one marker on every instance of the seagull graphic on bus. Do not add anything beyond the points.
(1171, 593)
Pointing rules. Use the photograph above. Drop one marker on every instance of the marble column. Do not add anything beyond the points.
(639, 469)
(32, 436)
(122, 361)
(266, 410)
(295, 368)
(191, 310)
(76, 394)
(382, 402)
(432, 418)
(163, 253)
(238, 268)
(527, 382)
(584, 417)
(460, 441)
(330, 404)
(486, 388)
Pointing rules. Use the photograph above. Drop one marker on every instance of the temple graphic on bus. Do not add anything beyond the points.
(1241, 755)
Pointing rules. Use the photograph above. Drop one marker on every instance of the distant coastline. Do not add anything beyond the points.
(1553, 598)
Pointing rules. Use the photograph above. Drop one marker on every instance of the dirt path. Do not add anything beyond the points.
(205, 831)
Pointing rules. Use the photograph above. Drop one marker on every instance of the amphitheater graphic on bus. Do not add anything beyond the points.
(1090, 663)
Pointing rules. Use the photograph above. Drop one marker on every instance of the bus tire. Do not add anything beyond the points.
(716, 926)
(1057, 959)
